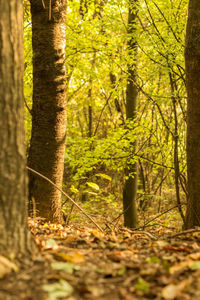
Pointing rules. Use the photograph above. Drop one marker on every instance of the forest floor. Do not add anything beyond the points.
(81, 262)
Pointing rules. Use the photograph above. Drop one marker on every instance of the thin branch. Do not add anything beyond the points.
(161, 214)
(167, 22)
(43, 4)
(29, 110)
(80, 208)
(49, 10)
(140, 232)
(183, 232)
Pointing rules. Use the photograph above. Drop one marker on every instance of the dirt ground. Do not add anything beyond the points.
(81, 262)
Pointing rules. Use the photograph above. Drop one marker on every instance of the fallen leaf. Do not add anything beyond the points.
(75, 257)
(194, 256)
(172, 248)
(64, 266)
(180, 266)
(122, 271)
(58, 289)
(161, 243)
(195, 266)
(153, 259)
(171, 291)
(116, 256)
(97, 234)
(142, 285)
(50, 244)
(6, 266)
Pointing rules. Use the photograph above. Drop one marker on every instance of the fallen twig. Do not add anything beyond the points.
(78, 206)
(140, 232)
(183, 232)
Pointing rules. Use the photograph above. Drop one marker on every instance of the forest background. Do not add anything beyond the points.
(99, 145)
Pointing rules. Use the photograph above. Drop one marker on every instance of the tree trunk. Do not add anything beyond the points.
(47, 146)
(192, 62)
(15, 238)
(130, 186)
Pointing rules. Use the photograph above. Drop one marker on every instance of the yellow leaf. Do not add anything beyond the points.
(179, 266)
(171, 291)
(194, 256)
(97, 234)
(75, 257)
(46, 225)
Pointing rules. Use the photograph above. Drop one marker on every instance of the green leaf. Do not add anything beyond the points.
(122, 271)
(105, 176)
(58, 289)
(153, 259)
(195, 266)
(64, 266)
(93, 185)
(142, 285)
(74, 190)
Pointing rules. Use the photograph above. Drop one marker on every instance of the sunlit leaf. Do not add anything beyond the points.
(142, 285)
(104, 176)
(74, 190)
(122, 271)
(58, 289)
(50, 244)
(195, 256)
(153, 259)
(170, 291)
(75, 257)
(64, 266)
(195, 266)
(93, 185)
(97, 234)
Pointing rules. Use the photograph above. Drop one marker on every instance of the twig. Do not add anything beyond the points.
(29, 110)
(161, 214)
(141, 232)
(78, 206)
(43, 4)
(69, 214)
(153, 225)
(183, 232)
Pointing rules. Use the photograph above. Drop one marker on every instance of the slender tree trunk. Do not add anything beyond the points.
(15, 238)
(130, 186)
(47, 146)
(192, 62)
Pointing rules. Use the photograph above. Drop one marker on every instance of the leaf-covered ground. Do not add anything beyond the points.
(84, 263)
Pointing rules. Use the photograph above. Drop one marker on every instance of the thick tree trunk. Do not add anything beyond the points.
(15, 238)
(192, 62)
(130, 186)
(47, 146)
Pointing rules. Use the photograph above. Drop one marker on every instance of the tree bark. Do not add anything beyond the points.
(15, 238)
(47, 146)
(192, 63)
(130, 186)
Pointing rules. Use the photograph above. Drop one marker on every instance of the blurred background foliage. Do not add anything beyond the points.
(99, 139)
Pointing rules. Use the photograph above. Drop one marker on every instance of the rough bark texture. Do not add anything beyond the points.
(130, 186)
(192, 62)
(15, 238)
(46, 154)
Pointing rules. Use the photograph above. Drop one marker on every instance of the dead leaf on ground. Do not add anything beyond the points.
(6, 266)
